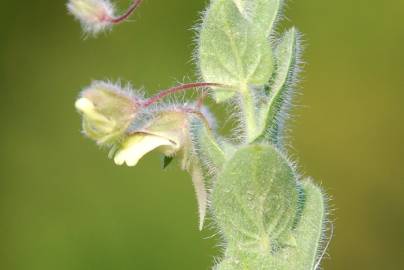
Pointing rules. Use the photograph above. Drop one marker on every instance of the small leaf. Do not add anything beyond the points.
(234, 44)
(205, 146)
(308, 233)
(273, 114)
(309, 229)
(207, 158)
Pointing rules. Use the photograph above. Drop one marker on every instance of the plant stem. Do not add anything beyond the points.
(248, 107)
(135, 4)
(179, 88)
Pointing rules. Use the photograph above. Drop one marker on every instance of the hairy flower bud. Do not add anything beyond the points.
(94, 15)
(107, 111)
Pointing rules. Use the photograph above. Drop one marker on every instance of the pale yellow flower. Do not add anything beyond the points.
(167, 132)
(138, 145)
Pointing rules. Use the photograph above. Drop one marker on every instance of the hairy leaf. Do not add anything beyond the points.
(308, 234)
(269, 221)
(273, 114)
(206, 146)
(256, 198)
(234, 44)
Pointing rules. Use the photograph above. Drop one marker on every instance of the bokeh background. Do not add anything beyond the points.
(65, 206)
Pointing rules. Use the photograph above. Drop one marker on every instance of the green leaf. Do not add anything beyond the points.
(205, 145)
(256, 199)
(269, 221)
(286, 59)
(308, 233)
(208, 158)
(234, 46)
(264, 12)
(310, 229)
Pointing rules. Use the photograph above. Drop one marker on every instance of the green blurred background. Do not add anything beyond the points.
(64, 205)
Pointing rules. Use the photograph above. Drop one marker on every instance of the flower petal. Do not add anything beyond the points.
(138, 145)
(86, 106)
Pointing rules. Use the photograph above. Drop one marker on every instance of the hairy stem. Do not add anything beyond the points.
(180, 88)
(249, 113)
(135, 4)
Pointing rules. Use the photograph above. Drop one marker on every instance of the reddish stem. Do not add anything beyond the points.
(135, 4)
(177, 89)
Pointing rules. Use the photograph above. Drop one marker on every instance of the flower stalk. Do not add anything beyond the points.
(98, 15)
(135, 4)
(181, 88)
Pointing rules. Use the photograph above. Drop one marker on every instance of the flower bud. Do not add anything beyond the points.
(94, 15)
(107, 111)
